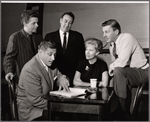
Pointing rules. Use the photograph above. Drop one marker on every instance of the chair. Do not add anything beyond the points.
(12, 100)
(136, 103)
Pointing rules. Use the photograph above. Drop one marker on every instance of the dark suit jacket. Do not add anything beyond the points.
(75, 51)
(34, 82)
(19, 51)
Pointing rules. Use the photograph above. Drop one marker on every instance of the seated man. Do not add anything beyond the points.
(129, 66)
(37, 79)
(91, 67)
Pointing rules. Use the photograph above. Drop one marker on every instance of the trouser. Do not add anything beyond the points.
(44, 116)
(124, 79)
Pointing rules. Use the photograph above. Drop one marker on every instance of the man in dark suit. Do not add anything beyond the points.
(69, 44)
(22, 45)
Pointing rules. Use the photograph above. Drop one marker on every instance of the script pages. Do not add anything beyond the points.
(75, 92)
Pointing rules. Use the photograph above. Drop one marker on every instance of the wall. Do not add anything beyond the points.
(133, 18)
(10, 14)
(10, 22)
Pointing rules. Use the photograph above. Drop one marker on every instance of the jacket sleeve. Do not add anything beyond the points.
(81, 48)
(11, 55)
(33, 88)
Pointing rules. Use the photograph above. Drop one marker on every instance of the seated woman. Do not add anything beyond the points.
(91, 67)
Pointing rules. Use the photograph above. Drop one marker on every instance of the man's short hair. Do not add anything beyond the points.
(113, 23)
(95, 42)
(44, 45)
(70, 14)
(27, 14)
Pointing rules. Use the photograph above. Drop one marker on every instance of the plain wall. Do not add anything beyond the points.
(133, 18)
(10, 23)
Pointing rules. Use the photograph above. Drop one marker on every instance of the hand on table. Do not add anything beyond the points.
(63, 83)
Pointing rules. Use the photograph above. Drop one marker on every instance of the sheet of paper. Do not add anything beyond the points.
(74, 92)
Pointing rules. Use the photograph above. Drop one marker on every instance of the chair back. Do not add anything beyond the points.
(12, 99)
(136, 101)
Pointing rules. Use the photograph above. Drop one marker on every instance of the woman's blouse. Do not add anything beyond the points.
(89, 71)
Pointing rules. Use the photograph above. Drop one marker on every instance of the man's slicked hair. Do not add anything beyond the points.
(70, 14)
(113, 23)
(44, 45)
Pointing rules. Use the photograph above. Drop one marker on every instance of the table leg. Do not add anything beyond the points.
(49, 111)
(101, 113)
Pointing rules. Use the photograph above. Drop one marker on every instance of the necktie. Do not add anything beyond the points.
(114, 51)
(64, 43)
(31, 43)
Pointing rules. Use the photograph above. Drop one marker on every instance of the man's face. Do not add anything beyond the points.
(32, 25)
(66, 23)
(109, 34)
(47, 56)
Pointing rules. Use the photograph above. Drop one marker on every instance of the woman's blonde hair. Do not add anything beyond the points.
(95, 42)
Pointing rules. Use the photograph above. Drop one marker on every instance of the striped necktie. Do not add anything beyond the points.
(114, 51)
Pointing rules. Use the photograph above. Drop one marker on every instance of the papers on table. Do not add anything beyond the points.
(75, 92)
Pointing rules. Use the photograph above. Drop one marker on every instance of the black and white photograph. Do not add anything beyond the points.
(75, 61)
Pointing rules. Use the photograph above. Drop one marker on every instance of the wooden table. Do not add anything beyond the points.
(96, 103)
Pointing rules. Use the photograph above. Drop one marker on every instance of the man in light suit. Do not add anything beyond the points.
(22, 45)
(37, 79)
(67, 57)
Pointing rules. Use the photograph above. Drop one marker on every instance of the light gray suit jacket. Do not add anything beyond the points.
(34, 82)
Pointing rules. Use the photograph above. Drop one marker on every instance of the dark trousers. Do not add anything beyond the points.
(124, 79)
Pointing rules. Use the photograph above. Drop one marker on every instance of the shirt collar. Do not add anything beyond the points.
(46, 67)
(117, 40)
(62, 33)
(26, 34)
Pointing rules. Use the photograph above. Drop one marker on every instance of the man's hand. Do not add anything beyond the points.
(9, 76)
(63, 82)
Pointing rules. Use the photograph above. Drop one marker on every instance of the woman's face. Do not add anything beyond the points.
(90, 52)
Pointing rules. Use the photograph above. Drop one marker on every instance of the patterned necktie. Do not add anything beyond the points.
(31, 43)
(64, 43)
(114, 51)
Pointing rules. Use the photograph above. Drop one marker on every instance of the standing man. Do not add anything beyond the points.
(22, 45)
(69, 44)
(129, 65)
(37, 78)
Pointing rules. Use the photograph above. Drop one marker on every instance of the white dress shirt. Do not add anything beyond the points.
(129, 52)
(62, 37)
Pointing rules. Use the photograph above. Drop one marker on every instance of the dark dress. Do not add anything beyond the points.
(89, 71)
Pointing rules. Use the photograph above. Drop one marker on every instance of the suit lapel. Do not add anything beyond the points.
(70, 40)
(44, 72)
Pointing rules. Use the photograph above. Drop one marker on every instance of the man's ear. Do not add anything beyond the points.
(60, 20)
(117, 31)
